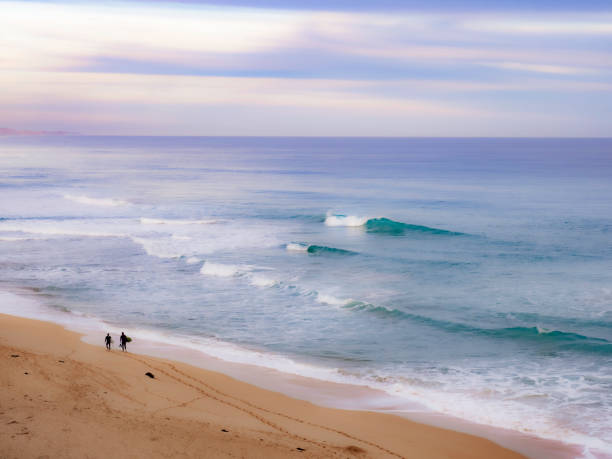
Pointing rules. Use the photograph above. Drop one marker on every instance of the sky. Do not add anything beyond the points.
(440, 68)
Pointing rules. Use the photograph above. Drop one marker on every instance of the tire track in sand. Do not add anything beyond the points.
(251, 405)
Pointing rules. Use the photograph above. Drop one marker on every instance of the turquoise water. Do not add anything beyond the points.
(471, 275)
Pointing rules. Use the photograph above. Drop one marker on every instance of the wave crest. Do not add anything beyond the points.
(345, 220)
(332, 300)
(317, 249)
(297, 247)
(555, 340)
(388, 226)
(101, 202)
(384, 225)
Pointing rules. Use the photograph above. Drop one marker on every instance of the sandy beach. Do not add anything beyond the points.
(62, 397)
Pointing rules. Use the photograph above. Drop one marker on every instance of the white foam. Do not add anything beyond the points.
(70, 227)
(164, 221)
(262, 281)
(332, 300)
(345, 220)
(192, 260)
(56, 231)
(181, 241)
(297, 247)
(189, 240)
(220, 270)
(488, 407)
(233, 353)
(102, 202)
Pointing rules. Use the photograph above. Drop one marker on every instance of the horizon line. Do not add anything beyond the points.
(298, 136)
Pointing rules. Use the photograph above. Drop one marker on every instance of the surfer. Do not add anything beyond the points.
(108, 340)
(123, 342)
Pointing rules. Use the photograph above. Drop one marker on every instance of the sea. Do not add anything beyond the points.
(470, 275)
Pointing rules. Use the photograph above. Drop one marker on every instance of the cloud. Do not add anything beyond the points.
(146, 90)
(47, 36)
(162, 66)
(595, 24)
(53, 36)
(410, 5)
(542, 68)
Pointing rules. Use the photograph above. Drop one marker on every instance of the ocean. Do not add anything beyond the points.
(471, 276)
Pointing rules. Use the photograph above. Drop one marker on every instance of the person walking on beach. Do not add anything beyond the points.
(123, 342)
(108, 341)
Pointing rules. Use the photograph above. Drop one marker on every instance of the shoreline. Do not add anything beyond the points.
(346, 396)
(66, 397)
(17, 331)
(320, 391)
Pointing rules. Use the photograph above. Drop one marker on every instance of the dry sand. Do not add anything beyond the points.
(63, 398)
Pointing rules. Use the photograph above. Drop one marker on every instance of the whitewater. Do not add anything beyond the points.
(472, 277)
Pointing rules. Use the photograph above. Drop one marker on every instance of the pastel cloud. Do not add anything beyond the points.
(539, 68)
(58, 34)
(62, 36)
(566, 25)
(77, 63)
(74, 88)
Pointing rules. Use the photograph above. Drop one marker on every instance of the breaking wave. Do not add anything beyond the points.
(384, 225)
(387, 226)
(297, 247)
(535, 335)
(345, 220)
(242, 271)
(317, 249)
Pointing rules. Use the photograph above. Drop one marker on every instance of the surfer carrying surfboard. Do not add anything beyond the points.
(123, 342)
